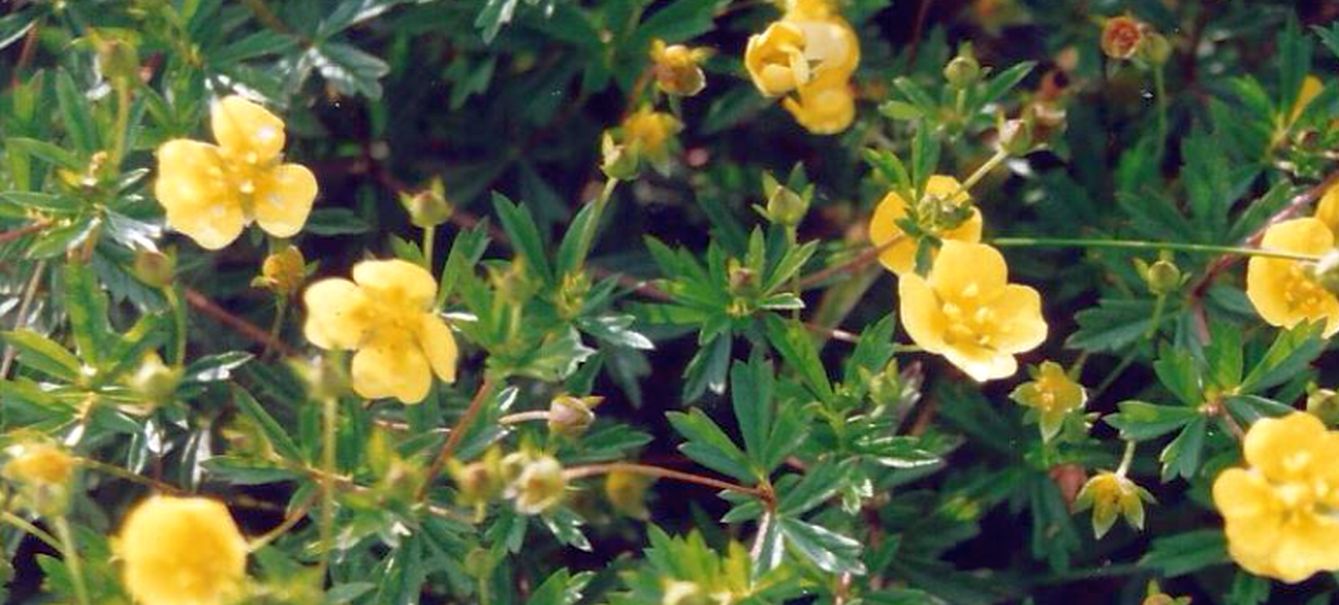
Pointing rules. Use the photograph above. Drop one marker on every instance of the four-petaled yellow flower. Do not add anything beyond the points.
(1282, 290)
(1052, 395)
(1279, 512)
(385, 314)
(967, 311)
(1110, 494)
(181, 551)
(211, 192)
(900, 257)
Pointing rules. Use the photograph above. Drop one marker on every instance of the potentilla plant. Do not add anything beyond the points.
(668, 303)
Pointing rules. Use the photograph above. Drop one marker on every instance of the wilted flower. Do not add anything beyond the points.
(210, 192)
(1111, 494)
(677, 68)
(1122, 37)
(967, 311)
(1052, 395)
(1279, 510)
(900, 257)
(1285, 292)
(539, 485)
(181, 551)
(385, 314)
(282, 272)
(571, 416)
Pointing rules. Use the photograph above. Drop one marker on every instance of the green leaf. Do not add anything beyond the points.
(213, 368)
(48, 202)
(265, 42)
(924, 157)
(1182, 456)
(828, 550)
(1177, 370)
(575, 247)
(74, 113)
(44, 355)
(240, 471)
(708, 445)
(493, 16)
(1139, 421)
(708, 368)
(1003, 82)
(43, 150)
(790, 263)
(1224, 355)
(335, 221)
(86, 302)
(1292, 351)
(466, 251)
(1294, 56)
(273, 431)
(791, 339)
(680, 20)
(1111, 326)
(1188, 552)
(616, 330)
(751, 395)
(818, 484)
(520, 227)
(349, 70)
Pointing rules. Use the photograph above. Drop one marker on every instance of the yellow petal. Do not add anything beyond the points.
(1300, 235)
(1244, 495)
(390, 364)
(1327, 211)
(1019, 323)
(769, 58)
(821, 108)
(396, 281)
(831, 45)
(921, 314)
(194, 190)
(1307, 545)
(439, 346)
(246, 130)
(1285, 448)
(969, 269)
(1266, 282)
(177, 551)
(980, 363)
(283, 199)
(900, 257)
(337, 314)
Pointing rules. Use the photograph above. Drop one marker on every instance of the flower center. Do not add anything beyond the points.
(971, 320)
(1302, 293)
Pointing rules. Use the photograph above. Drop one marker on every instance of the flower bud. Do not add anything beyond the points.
(428, 208)
(478, 482)
(154, 381)
(1155, 596)
(962, 71)
(1015, 137)
(1323, 404)
(118, 59)
(742, 278)
(539, 484)
(282, 272)
(1326, 271)
(619, 161)
(1155, 49)
(784, 206)
(1109, 495)
(571, 296)
(570, 416)
(676, 68)
(1162, 277)
(627, 493)
(154, 268)
(1122, 37)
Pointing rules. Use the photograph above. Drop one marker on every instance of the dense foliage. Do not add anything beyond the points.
(670, 302)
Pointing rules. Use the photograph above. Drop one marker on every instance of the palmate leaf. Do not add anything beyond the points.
(708, 445)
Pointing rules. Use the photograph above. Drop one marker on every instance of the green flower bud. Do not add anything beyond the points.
(1323, 404)
(118, 59)
(154, 381)
(620, 161)
(478, 482)
(570, 416)
(1015, 137)
(154, 268)
(962, 71)
(282, 272)
(429, 208)
(1155, 48)
(1110, 495)
(1162, 277)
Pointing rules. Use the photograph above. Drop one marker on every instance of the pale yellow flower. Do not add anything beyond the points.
(677, 68)
(385, 314)
(822, 109)
(181, 551)
(539, 483)
(650, 134)
(1052, 394)
(900, 257)
(39, 464)
(967, 311)
(1111, 495)
(1279, 511)
(211, 192)
(1283, 291)
(799, 49)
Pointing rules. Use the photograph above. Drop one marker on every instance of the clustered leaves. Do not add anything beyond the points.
(837, 301)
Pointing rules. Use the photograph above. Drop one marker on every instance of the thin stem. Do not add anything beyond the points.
(981, 172)
(280, 310)
(1035, 242)
(331, 410)
(1126, 459)
(591, 470)
(72, 560)
(1115, 373)
(456, 435)
(1160, 89)
(429, 236)
(33, 227)
(35, 531)
(1158, 308)
(864, 258)
(120, 473)
(202, 303)
(29, 292)
(288, 523)
(179, 322)
(519, 417)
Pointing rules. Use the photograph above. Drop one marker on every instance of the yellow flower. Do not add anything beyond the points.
(1283, 291)
(181, 551)
(539, 484)
(1052, 395)
(1327, 211)
(1110, 494)
(822, 109)
(676, 68)
(385, 314)
(649, 134)
(900, 257)
(39, 464)
(804, 46)
(210, 192)
(967, 311)
(1278, 512)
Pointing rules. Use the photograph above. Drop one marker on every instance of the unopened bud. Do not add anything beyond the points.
(428, 208)
(1015, 137)
(742, 278)
(1155, 49)
(154, 268)
(1155, 596)
(627, 493)
(1122, 37)
(282, 272)
(154, 381)
(962, 71)
(1326, 271)
(1323, 404)
(1162, 277)
(784, 206)
(118, 59)
(479, 482)
(570, 416)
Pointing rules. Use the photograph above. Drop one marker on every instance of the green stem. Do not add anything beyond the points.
(122, 124)
(72, 560)
(35, 531)
(1126, 459)
(331, 409)
(1160, 89)
(429, 236)
(179, 321)
(981, 172)
(1115, 373)
(1158, 308)
(280, 310)
(1035, 242)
